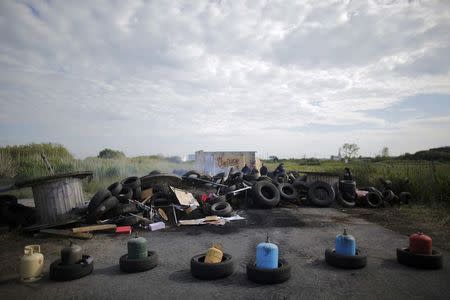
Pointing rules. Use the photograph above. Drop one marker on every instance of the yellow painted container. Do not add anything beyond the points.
(214, 255)
(31, 264)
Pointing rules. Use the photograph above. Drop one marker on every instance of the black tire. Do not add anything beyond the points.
(221, 209)
(266, 194)
(162, 189)
(217, 199)
(98, 198)
(301, 185)
(264, 177)
(8, 200)
(320, 194)
(269, 276)
(204, 271)
(115, 188)
(388, 196)
(357, 261)
(405, 197)
(345, 202)
(190, 173)
(160, 201)
(154, 172)
(287, 191)
(281, 178)
(59, 272)
(125, 195)
(431, 262)
(348, 186)
(373, 200)
(234, 178)
(138, 265)
(106, 206)
(135, 184)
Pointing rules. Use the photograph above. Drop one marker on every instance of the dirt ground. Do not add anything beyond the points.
(409, 219)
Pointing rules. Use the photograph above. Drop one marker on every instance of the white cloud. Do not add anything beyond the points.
(177, 76)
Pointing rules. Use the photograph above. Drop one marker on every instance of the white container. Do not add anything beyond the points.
(31, 264)
(157, 226)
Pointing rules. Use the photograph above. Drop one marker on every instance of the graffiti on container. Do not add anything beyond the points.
(227, 161)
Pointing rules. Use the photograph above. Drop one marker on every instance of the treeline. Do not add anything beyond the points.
(436, 154)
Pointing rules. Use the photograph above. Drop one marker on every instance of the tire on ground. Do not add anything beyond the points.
(320, 194)
(420, 261)
(201, 270)
(373, 200)
(269, 276)
(287, 191)
(138, 265)
(266, 194)
(357, 261)
(59, 272)
(221, 209)
(344, 201)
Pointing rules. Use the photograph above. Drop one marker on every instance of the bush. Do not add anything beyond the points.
(109, 153)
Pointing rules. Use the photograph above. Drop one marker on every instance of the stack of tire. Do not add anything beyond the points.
(389, 197)
(113, 203)
(346, 196)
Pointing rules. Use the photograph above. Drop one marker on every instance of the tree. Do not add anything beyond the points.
(109, 153)
(385, 152)
(350, 150)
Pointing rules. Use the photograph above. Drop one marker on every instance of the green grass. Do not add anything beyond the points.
(24, 162)
(429, 181)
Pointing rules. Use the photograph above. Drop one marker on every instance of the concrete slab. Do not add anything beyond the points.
(302, 235)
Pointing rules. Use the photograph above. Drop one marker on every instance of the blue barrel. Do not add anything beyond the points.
(345, 244)
(267, 255)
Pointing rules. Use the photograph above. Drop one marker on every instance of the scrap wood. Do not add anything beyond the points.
(213, 220)
(68, 233)
(94, 228)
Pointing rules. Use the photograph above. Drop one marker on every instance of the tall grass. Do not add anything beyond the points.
(19, 163)
(429, 182)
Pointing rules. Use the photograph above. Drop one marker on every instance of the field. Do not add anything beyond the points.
(429, 182)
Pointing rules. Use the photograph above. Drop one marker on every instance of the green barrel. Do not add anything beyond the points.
(137, 248)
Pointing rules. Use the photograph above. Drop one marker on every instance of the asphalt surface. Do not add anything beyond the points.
(302, 235)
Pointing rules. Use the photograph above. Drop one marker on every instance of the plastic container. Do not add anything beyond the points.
(156, 226)
(214, 255)
(31, 264)
(345, 244)
(137, 248)
(267, 255)
(420, 243)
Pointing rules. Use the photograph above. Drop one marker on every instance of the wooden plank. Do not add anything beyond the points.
(94, 228)
(68, 233)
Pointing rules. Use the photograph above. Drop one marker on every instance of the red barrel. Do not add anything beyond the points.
(420, 243)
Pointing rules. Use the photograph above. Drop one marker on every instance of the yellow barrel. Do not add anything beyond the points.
(214, 255)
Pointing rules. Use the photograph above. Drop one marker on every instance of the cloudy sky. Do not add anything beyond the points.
(278, 77)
